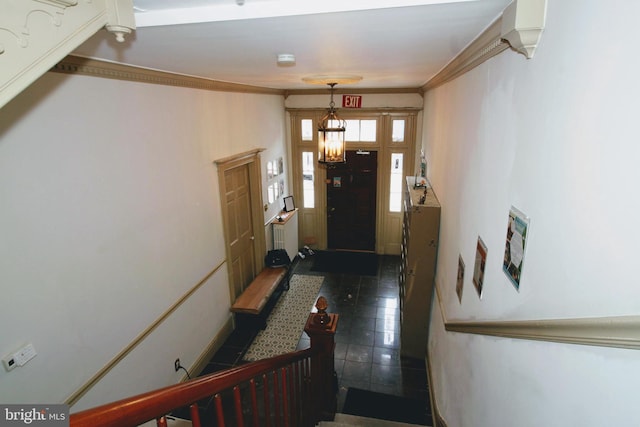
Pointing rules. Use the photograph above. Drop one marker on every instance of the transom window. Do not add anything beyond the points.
(306, 126)
(361, 130)
(397, 130)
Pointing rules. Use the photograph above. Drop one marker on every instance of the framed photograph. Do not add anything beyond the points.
(289, 205)
(517, 229)
(478, 269)
(270, 171)
(460, 278)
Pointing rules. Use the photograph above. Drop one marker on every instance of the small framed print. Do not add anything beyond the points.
(517, 229)
(478, 269)
(460, 278)
(289, 205)
(270, 170)
(280, 166)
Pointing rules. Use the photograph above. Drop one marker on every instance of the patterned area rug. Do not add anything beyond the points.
(286, 322)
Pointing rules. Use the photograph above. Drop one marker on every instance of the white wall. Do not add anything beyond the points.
(111, 213)
(557, 137)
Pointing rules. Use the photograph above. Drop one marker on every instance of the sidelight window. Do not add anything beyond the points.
(395, 191)
(308, 192)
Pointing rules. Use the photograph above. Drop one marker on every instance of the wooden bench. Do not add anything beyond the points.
(253, 306)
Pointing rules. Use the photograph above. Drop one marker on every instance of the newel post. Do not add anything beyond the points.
(321, 328)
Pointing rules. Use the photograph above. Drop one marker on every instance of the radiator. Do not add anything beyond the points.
(285, 233)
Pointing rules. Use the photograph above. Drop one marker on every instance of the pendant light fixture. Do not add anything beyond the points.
(331, 131)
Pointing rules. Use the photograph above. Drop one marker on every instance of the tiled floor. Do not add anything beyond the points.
(367, 352)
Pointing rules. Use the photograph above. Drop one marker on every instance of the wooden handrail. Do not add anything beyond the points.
(316, 379)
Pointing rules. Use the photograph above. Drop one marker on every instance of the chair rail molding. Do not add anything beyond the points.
(36, 34)
(617, 331)
(522, 25)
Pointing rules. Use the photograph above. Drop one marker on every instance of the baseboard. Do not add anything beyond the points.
(436, 418)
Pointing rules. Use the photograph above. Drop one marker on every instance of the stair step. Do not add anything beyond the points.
(342, 420)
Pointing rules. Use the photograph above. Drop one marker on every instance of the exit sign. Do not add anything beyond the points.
(351, 101)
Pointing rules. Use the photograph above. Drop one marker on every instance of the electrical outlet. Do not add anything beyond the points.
(177, 365)
(9, 362)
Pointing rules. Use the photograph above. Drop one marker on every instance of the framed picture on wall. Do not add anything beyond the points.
(289, 205)
(517, 229)
(478, 269)
(460, 278)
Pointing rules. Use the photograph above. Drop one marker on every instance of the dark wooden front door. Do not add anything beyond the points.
(351, 202)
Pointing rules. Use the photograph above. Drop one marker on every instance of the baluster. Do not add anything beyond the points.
(293, 373)
(237, 403)
(195, 415)
(267, 401)
(285, 397)
(306, 391)
(254, 403)
(276, 398)
(219, 410)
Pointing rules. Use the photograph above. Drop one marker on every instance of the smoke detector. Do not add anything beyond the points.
(286, 60)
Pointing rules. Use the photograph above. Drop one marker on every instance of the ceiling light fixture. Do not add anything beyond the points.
(331, 131)
(325, 80)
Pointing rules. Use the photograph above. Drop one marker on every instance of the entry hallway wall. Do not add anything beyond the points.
(110, 214)
(557, 137)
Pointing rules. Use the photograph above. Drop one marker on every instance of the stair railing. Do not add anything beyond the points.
(293, 389)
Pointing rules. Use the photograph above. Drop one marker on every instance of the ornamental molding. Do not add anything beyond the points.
(519, 27)
(36, 34)
(522, 25)
(20, 28)
(111, 70)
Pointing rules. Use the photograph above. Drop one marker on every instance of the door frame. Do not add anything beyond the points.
(312, 221)
(252, 160)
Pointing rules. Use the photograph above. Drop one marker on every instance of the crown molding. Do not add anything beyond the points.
(74, 64)
(353, 91)
(519, 27)
(110, 70)
(487, 45)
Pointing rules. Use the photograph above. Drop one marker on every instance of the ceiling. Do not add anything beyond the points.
(389, 43)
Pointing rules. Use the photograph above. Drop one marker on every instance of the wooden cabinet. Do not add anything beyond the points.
(420, 228)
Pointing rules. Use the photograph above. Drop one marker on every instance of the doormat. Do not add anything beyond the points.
(342, 262)
(285, 324)
(370, 404)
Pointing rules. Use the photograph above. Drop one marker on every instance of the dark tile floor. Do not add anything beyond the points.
(367, 352)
